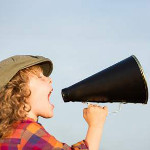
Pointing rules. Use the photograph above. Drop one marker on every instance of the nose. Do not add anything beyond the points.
(50, 79)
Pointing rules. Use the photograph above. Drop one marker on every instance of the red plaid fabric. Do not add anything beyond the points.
(31, 135)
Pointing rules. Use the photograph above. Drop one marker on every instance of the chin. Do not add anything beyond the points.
(50, 116)
(47, 115)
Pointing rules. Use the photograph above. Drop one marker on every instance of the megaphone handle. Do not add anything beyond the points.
(113, 112)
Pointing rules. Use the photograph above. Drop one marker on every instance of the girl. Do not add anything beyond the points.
(25, 89)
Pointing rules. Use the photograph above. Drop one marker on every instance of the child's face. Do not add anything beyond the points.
(41, 88)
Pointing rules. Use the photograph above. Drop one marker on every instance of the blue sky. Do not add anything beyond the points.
(83, 37)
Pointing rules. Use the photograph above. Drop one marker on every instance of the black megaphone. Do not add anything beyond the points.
(123, 82)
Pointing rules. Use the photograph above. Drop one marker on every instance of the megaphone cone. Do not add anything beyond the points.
(123, 82)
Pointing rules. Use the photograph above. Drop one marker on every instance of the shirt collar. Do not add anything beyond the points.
(28, 120)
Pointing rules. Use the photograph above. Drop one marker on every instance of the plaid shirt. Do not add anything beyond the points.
(31, 135)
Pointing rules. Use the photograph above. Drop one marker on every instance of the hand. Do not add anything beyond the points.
(95, 115)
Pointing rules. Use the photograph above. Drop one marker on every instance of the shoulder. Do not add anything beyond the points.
(36, 135)
(34, 128)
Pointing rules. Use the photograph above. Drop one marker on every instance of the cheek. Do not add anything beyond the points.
(39, 91)
(39, 105)
(39, 100)
(39, 94)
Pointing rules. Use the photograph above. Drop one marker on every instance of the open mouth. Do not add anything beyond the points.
(50, 93)
(49, 98)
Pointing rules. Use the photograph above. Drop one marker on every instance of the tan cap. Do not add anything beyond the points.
(10, 66)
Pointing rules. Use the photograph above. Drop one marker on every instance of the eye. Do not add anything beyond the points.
(39, 76)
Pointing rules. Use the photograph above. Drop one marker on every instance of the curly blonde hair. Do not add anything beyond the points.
(13, 100)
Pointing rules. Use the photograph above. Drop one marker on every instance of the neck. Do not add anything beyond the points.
(33, 116)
